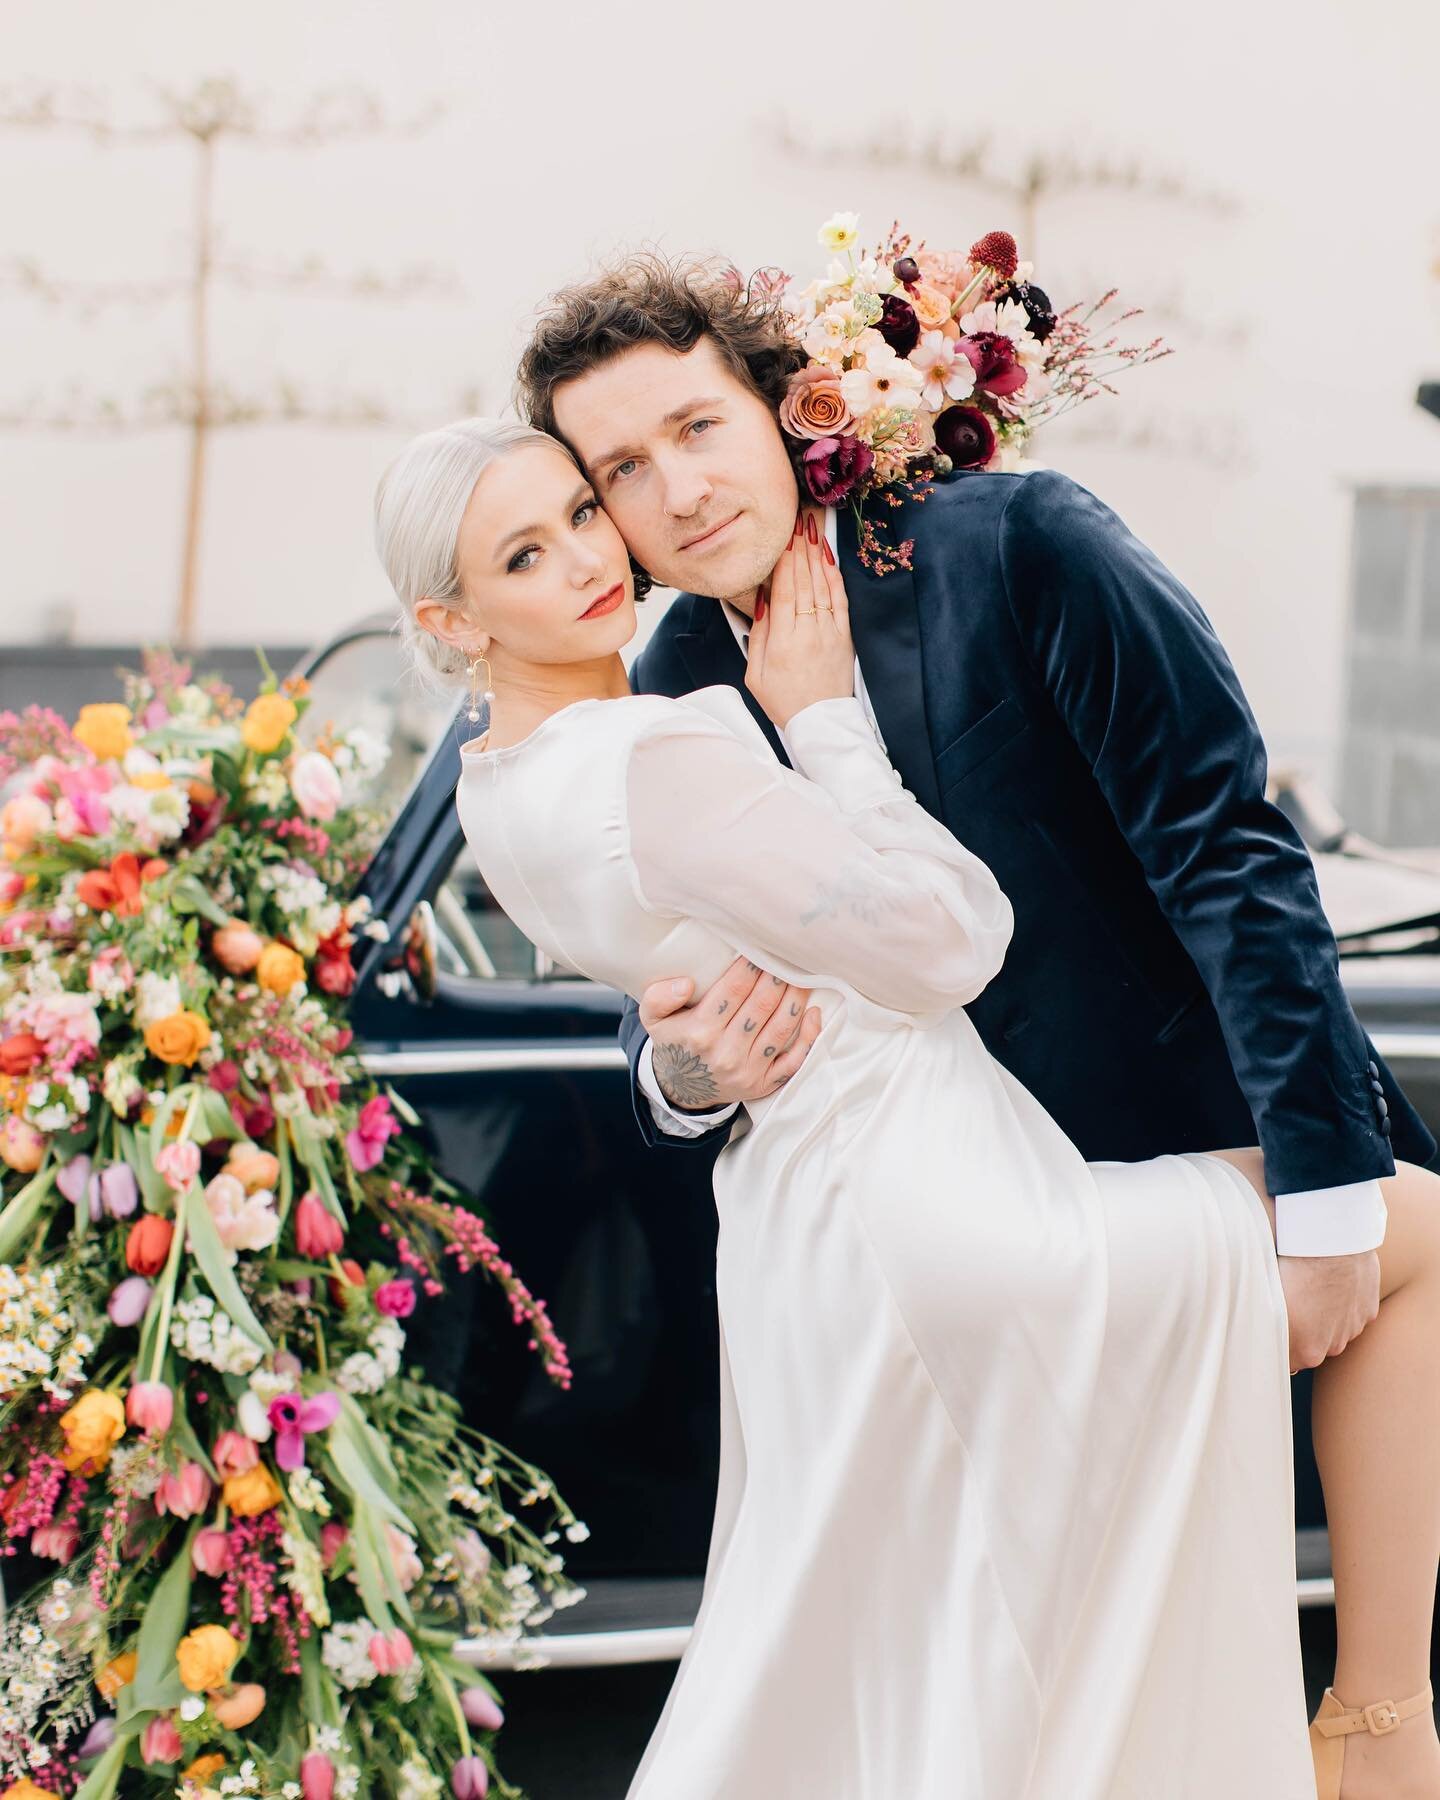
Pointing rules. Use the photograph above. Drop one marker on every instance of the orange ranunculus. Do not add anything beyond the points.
(117, 1673)
(267, 719)
(117, 889)
(20, 1052)
(256, 1491)
(104, 730)
(147, 1246)
(206, 1656)
(92, 1427)
(931, 307)
(177, 1039)
(253, 1169)
(203, 1768)
(280, 968)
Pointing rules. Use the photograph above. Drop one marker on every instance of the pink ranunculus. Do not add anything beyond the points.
(179, 1164)
(480, 1710)
(391, 1651)
(242, 1221)
(317, 1776)
(318, 1233)
(332, 1540)
(160, 1741)
(150, 1407)
(315, 783)
(396, 1299)
(129, 1301)
(185, 1493)
(57, 1541)
(210, 1553)
(234, 1454)
(293, 1419)
(81, 815)
(470, 1779)
(375, 1126)
(61, 1020)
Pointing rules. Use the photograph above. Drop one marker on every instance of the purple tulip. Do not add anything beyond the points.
(98, 1738)
(480, 1709)
(128, 1303)
(469, 1779)
(119, 1190)
(74, 1179)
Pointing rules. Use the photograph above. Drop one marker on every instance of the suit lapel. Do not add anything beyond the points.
(885, 623)
(707, 648)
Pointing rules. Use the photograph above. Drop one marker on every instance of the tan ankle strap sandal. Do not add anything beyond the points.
(1333, 1723)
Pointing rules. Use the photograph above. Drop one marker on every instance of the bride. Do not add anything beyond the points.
(1005, 1504)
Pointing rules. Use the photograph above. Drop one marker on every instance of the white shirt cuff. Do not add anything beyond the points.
(832, 743)
(672, 1123)
(1333, 1221)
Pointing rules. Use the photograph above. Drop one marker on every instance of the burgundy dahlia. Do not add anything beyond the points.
(834, 467)
(963, 433)
(997, 250)
(898, 325)
(993, 359)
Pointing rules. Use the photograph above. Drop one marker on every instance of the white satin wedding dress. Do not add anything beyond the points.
(1005, 1504)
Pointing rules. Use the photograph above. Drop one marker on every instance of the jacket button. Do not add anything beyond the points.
(1381, 1107)
(1385, 1128)
(1372, 1071)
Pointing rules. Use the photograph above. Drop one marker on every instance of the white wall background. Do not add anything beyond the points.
(1303, 319)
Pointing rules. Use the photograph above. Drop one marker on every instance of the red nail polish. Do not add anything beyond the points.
(799, 521)
(810, 529)
(825, 546)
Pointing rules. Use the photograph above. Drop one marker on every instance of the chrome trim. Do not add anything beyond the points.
(1421, 1046)
(582, 1649)
(1318, 1590)
(474, 1061)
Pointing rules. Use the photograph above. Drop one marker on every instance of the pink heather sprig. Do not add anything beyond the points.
(312, 838)
(26, 737)
(471, 1245)
(35, 1509)
(254, 1571)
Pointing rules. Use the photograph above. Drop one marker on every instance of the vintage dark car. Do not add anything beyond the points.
(514, 1065)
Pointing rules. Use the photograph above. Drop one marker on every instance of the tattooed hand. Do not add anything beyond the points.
(743, 1038)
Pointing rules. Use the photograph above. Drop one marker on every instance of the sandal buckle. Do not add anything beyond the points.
(1380, 1717)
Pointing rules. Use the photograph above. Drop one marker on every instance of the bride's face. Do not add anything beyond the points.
(544, 572)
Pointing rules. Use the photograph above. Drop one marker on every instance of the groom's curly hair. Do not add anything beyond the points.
(649, 299)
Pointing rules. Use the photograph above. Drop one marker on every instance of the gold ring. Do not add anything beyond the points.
(805, 612)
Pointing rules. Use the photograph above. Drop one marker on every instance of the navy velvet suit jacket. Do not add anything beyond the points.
(1052, 693)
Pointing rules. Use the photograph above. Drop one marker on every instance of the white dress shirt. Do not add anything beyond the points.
(1333, 1221)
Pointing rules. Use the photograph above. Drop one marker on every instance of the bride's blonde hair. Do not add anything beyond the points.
(419, 504)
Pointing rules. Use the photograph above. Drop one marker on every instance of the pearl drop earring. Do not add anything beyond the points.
(489, 696)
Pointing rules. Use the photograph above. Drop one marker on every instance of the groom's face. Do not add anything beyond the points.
(689, 463)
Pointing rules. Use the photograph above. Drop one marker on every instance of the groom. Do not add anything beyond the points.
(1048, 690)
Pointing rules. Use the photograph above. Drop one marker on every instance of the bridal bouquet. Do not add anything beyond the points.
(921, 361)
(269, 1534)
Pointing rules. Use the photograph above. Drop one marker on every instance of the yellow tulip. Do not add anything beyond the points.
(267, 719)
(104, 730)
(206, 1656)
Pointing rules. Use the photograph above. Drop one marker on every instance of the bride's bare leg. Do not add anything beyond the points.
(1375, 1420)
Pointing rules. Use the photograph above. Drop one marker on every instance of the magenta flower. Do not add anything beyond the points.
(294, 1419)
(833, 467)
(396, 1299)
(375, 1126)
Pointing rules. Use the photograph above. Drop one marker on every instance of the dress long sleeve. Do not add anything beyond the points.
(841, 877)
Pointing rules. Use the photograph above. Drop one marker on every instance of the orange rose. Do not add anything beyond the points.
(932, 308)
(92, 1427)
(814, 406)
(280, 968)
(117, 1673)
(267, 719)
(203, 1768)
(104, 730)
(206, 1656)
(254, 1492)
(177, 1039)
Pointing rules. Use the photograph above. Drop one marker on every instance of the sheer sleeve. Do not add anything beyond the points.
(840, 877)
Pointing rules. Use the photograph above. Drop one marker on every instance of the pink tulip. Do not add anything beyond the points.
(184, 1494)
(469, 1779)
(332, 1541)
(161, 1741)
(396, 1299)
(372, 1129)
(73, 1180)
(58, 1542)
(390, 1652)
(129, 1301)
(234, 1454)
(119, 1190)
(210, 1552)
(179, 1164)
(480, 1710)
(317, 1776)
(318, 1233)
(98, 1738)
(149, 1407)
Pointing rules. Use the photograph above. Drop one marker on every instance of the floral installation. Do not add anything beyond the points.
(918, 362)
(270, 1534)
